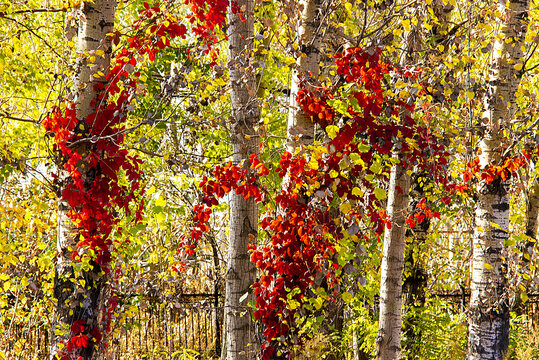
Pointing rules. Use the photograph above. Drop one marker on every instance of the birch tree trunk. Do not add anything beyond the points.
(388, 342)
(489, 309)
(79, 298)
(240, 274)
(300, 130)
(532, 211)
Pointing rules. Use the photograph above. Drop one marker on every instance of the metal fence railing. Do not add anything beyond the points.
(191, 321)
(164, 328)
(157, 329)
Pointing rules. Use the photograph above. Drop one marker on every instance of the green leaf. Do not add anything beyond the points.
(380, 194)
(363, 148)
(347, 297)
(376, 167)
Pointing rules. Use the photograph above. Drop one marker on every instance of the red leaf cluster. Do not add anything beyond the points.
(303, 230)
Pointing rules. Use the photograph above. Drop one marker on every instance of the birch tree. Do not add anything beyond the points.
(489, 310)
(388, 341)
(389, 333)
(78, 299)
(240, 274)
(300, 130)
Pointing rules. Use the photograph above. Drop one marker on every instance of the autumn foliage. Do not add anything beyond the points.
(332, 192)
(328, 190)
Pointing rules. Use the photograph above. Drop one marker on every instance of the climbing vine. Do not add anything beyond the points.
(98, 176)
(329, 189)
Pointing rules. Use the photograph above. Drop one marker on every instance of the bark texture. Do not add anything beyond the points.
(489, 305)
(79, 299)
(300, 130)
(388, 342)
(240, 274)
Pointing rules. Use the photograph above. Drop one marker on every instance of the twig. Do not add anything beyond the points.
(33, 11)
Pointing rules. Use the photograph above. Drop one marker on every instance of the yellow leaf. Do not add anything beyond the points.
(380, 194)
(487, 266)
(404, 95)
(357, 191)
(518, 66)
(406, 24)
(400, 84)
(332, 131)
(100, 53)
(313, 164)
(345, 207)
(333, 173)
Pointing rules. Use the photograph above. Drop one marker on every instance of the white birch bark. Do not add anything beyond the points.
(240, 274)
(489, 309)
(74, 302)
(388, 342)
(300, 130)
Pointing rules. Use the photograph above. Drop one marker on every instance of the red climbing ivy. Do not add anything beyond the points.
(326, 191)
(94, 146)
